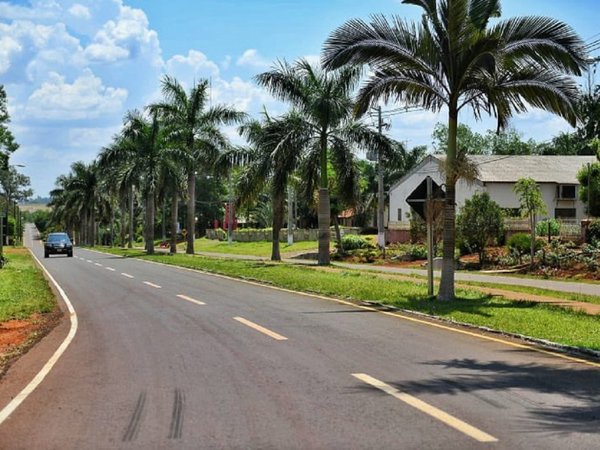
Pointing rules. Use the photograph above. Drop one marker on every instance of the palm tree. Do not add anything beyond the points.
(455, 59)
(83, 192)
(326, 128)
(195, 128)
(272, 160)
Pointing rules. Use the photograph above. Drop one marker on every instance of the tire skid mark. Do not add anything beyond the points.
(175, 431)
(134, 424)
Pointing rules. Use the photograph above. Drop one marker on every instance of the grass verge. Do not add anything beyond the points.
(261, 248)
(28, 308)
(23, 289)
(528, 318)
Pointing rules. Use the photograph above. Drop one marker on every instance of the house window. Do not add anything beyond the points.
(399, 214)
(567, 192)
(565, 213)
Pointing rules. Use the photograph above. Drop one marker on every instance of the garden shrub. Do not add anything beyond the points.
(593, 232)
(355, 242)
(541, 229)
(520, 244)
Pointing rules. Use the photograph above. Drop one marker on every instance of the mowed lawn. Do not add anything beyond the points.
(262, 248)
(23, 289)
(526, 318)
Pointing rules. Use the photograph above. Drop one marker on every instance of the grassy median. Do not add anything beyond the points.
(527, 318)
(261, 248)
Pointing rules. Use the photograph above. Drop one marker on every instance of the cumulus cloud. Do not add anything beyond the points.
(8, 47)
(79, 11)
(252, 58)
(85, 98)
(191, 67)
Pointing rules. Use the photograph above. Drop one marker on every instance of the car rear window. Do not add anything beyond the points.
(58, 238)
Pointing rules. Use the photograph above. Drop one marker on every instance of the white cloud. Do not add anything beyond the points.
(8, 47)
(85, 98)
(192, 67)
(226, 62)
(127, 36)
(80, 12)
(252, 58)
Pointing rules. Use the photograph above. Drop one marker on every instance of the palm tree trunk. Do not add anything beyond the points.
(446, 292)
(92, 224)
(130, 240)
(278, 216)
(338, 234)
(150, 223)
(191, 212)
(324, 207)
(123, 216)
(532, 244)
(174, 208)
(163, 222)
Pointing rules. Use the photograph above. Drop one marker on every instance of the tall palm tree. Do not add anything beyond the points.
(194, 125)
(455, 59)
(272, 160)
(83, 192)
(323, 110)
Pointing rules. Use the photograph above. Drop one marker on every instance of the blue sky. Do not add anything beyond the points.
(72, 68)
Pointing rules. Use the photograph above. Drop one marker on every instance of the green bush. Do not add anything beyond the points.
(355, 242)
(541, 229)
(417, 252)
(520, 244)
(593, 232)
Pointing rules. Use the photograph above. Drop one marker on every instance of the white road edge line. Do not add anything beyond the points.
(152, 285)
(190, 299)
(22, 396)
(126, 275)
(428, 409)
(263, 330)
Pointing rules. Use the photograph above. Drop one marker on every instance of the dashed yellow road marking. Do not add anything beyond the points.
(428, 409)
(276, 336)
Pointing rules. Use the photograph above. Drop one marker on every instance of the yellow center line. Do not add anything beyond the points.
(263, 330)
(190, 299)
(428, 409)
(152, 285)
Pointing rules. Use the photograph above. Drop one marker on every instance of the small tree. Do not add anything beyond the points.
(532, 204)
(480, 222)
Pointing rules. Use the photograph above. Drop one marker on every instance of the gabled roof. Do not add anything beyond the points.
(509, 169)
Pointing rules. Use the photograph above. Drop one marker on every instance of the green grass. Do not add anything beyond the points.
(572, 296)
(23, 289)
(261, 248)
(528, 318)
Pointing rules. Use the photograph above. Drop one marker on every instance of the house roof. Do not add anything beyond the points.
(509, 169)
(543, 169)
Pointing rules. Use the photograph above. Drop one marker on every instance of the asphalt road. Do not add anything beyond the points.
(257, 368)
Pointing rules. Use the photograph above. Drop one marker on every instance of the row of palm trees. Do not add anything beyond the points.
(458, 56)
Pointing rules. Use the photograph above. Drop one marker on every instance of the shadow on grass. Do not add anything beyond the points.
(560, 399)
(479, 306)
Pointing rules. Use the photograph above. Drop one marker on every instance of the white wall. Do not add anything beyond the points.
(501, 193)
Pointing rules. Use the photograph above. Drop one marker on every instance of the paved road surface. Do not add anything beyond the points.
(257, 368)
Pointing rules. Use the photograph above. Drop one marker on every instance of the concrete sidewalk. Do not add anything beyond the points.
(562, 286)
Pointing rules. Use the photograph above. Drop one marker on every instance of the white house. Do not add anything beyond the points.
(556, 176)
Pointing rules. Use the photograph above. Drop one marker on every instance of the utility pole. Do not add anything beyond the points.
(589, 188)
(429, 219)
(380, 196)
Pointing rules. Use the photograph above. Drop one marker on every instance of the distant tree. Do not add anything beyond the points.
(589, 191)
(508, 142)
(8, 145)
(532, 204)
(479, 223)
(467, 140)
